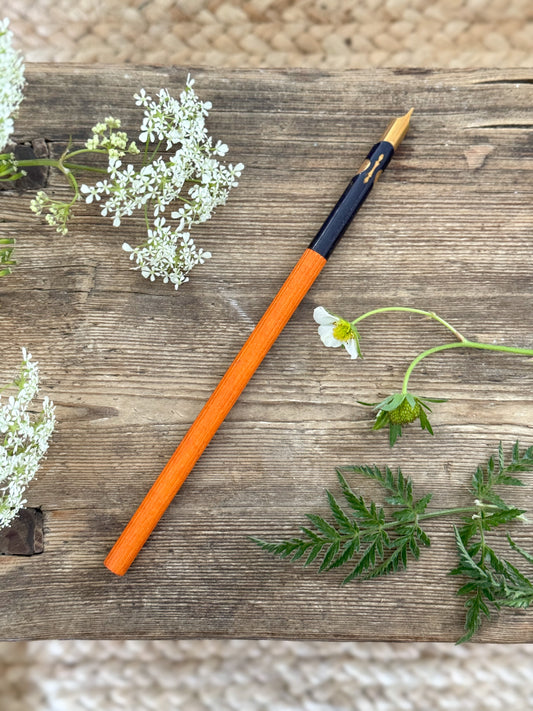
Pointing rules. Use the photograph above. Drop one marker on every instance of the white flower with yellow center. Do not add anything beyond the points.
(335, 332)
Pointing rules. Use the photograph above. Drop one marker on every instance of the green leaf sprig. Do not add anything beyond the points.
(373, 541)
(403, 407)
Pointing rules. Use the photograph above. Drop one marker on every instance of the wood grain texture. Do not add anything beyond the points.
(130, 363)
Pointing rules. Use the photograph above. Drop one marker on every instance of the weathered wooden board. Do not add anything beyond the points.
(130, 363)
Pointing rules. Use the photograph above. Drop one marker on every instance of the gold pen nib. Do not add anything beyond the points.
(396, 130)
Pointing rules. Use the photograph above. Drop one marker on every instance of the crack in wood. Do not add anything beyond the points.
(36, 176)
(25, 535)
(515, 126)
(504, 81)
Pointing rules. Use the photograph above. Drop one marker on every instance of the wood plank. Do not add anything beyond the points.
(130, 363)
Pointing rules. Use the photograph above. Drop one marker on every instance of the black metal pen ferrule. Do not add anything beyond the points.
(352, 198)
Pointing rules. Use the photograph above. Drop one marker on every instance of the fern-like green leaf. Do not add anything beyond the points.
(520, 550)
(375, 540)
(500, 517)
(484, 480)
(324, 527)
(346, 526)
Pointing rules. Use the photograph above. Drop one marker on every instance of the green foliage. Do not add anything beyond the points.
(362, 531)
(374, 540)
(493, 582)
(7, 245)
(400, 409)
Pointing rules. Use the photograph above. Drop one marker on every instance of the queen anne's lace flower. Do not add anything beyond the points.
(191, 175)
(167, 253)
(11, 82)
(24, 440)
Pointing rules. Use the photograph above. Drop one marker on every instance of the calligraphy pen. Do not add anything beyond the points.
(254, 350)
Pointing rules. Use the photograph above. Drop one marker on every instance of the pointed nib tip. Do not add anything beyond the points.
(396, 130)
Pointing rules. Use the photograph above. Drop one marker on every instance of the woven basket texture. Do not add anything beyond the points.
(235, 675)
(332, 34)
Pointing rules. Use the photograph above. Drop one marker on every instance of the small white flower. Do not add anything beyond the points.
(11, 82)
(24, 440)
(92, 193)
(168, 252)
(141, 99)
(335, 332)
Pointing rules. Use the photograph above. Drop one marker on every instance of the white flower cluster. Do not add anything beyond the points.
(58, 213)
(107, 138)
(23, 440)
(192, 174)
(167, 253)
(11, 81)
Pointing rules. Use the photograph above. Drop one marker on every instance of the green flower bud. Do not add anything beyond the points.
(405, 413)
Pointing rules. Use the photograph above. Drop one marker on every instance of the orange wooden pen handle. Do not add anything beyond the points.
(214, 411)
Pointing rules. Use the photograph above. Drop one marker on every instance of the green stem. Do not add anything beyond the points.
(463, 344)
(430, 314)
(59, 164)
(146, 216)
(424, 517)
(86, 150)
(437, 514)
(74, 183)
(91, 168)
(39, 161)
(145, 154)
(449, 512)
(154, 153)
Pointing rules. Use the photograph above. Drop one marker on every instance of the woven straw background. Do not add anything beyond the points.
(235, 675)
(270, 676)
(333, 34)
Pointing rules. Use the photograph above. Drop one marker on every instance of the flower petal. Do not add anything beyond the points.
(326, 335)
(323, 317)
(351, 347)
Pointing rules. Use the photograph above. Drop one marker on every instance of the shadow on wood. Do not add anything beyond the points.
(25, 535)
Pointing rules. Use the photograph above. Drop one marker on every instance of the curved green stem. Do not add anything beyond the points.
(437, 514)
(74, 183)
(145, 154)
(430, 314)
(463, 344)
(86, 150)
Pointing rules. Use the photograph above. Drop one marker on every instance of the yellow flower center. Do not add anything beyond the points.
(342, 331)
